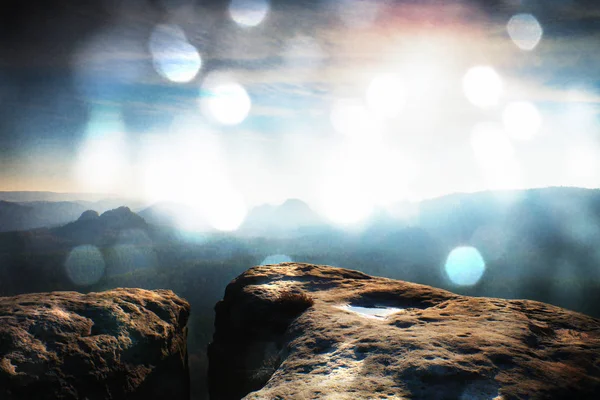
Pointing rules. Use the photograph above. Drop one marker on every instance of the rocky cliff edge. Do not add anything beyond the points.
(297, 331)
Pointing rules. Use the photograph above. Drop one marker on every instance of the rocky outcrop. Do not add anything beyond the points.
(88, 215)
(122, 218)
(103, 229)
(120, 344)
(297, 331)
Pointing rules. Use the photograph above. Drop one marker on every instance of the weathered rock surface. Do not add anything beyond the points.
(118, 344)
(438, 345)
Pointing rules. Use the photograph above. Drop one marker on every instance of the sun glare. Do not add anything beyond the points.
(385, 95)
(582, 165)
(350, 117)
(103, 155)
(522, 120)
(345, 198)
(496, 157)
(226, 209)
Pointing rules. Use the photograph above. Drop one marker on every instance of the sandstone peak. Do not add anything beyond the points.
(358, 337)
(88, 215)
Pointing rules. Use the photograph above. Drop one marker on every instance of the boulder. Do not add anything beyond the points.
(119, 344)
(298, 331)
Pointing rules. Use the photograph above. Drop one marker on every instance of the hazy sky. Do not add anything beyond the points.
(346, 104)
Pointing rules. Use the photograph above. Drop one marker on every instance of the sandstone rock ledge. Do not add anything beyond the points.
(271, 341)
(119, 344)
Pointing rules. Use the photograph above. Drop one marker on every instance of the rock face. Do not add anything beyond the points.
(119, 344)
(294, 331)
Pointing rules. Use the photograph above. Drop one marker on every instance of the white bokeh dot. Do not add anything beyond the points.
(224, 100)
(248, 13)
(482, 86)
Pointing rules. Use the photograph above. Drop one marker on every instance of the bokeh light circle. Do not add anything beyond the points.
(173, 57)
(525, 31)
(482, 86)
(465, 266)
(248, 12)
(85, 265)
(225, 101)
(522, 120)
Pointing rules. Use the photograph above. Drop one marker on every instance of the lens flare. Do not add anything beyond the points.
(248, 13)
(465, 266)
(522, 120)
(385, 95)
(173, 57)
(103, 156)
(85, 265)
(276, 259)
(184, 165)
(482, 86)
(525, 31)
(226, 101)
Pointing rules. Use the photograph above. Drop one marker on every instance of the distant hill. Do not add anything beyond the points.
(96, 229)
(14, 216)
(26, 196)
(25, 216)
(21, 211)
(293, 217)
